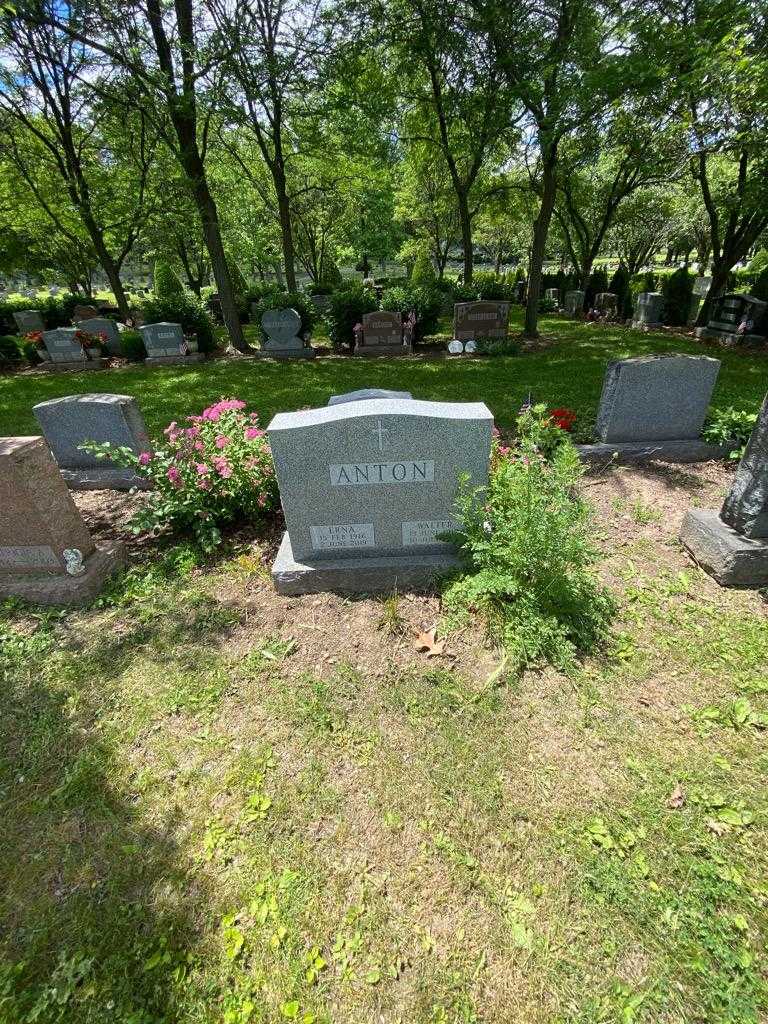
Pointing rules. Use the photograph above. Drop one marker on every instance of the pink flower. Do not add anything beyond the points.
(174, 476)
(192, 431)
(251, 433)
(251, 464)
(221, 441)
(213, 412)
(199, 446)
(170, 429)
(202, 469)
(204, 484)
(145, 458)
(222, 467)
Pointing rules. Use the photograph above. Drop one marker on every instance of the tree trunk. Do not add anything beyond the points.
(717, 286)
(585, 272)
(286, 233)
(209, 216)
(540, 234)
(466, 236)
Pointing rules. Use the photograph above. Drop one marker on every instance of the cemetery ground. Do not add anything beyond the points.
(220, 804)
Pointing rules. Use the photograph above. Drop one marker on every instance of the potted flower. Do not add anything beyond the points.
(36, 338)
(92, 344)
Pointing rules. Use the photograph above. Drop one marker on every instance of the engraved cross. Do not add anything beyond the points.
(381, 432)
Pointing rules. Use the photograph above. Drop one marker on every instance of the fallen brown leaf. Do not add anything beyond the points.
(718, 827)
(427, 642)
(677, 798)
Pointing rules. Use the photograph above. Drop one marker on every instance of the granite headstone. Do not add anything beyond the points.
(165, 344)
(102, 325)
(47, 553)
(67, 423)
(574, 303)
(28, 320)
(649, 309)
(482, 319)
(606, 302)
(66, 352)
(736, 319)
(733, 546)
(283, 338)
(367, 487)
(364, 394)
(382, 334)
(82, 312)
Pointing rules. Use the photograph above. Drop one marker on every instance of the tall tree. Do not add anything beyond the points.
(55, 128)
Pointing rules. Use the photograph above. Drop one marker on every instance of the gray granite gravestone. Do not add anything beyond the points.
(66, 352)
(736, 319)
(382, 334)
(367, 393)
(733, 546)
(654, 407)
(28, 320)
(69, 422)
(606, 302)
(367, 487)
(283, 340)
(47, 554)
(83, 313)
(553, 294)
(649, 309)
(165, 344)
(574, 303)
(101, 325)
(480, 320)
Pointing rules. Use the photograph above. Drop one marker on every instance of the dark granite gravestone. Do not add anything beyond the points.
(165, 344)
(101, 325)
(649, 309)
(28, 320)
(733, 546)
(83, 313)
(367, 487)
(69, 422)
(654, 407)
(480, 320)
(382, 334)
(736, 319)
(282, 328)
(47, 554)
(66, 352)
(574, 303)
(606, 302)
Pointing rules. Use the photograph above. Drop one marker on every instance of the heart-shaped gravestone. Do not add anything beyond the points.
(281, 325)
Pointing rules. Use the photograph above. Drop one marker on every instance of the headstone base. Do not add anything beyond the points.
(75, 364)
(103, 480)
(666, 451)
(286, 353)
(193, 357)
(731, 338)
(61, 589)
(383, 350)
(733, 560)
(358, 575)
(645, 325)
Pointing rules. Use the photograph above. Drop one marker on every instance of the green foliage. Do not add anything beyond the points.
(348, 304)
(464, 292)
(426, 301)
(527, 542)
(10, 348)
(56, 310)
(619, 285)
(217, 470)
(677, 291)
(547, 305)
(423, 273)
(167, 284)
(185, 309)
(730, 426)
(597, 283)
(132, 346)
(275, 299)
(760, 287)
(498, 347)
(330, 276)
(491, 286)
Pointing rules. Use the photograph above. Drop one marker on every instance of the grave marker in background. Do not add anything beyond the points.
(480, 320)
(283, 336)
(382, 334)
(67, 353)
(28, 320)
(165, 344)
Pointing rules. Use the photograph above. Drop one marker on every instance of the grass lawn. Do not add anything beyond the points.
(569, 373)
(222, 806)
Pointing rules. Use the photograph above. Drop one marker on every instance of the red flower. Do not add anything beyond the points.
(563, 418)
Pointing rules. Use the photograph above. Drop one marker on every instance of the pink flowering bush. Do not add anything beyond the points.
(214, 469)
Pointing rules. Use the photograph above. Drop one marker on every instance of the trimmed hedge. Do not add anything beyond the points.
(185, 309)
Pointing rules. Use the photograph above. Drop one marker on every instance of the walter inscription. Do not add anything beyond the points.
(361, 473)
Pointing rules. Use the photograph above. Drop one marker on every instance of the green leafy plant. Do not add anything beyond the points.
(491, 286)
(185, 309)
(498, 347)
(347, 306)
(526, 541)
(217, 470)
(427, 302)
(167, 283)
(677, 291)
(10, 349)
(132, 346)
(423, 273)
(730, 427)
